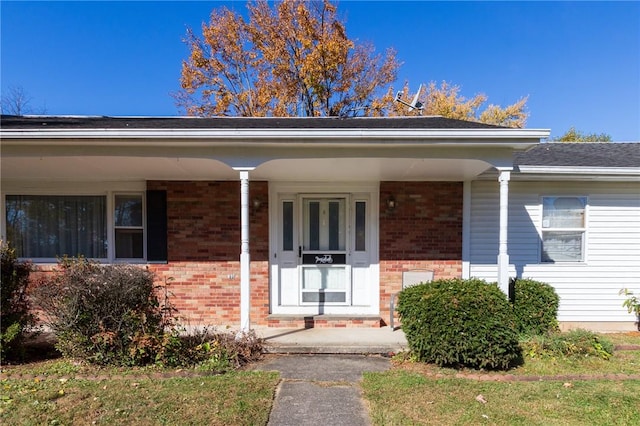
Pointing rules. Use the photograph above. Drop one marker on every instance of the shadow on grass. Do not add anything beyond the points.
(36, 348)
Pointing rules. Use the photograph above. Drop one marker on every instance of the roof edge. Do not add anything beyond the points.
(578, 170)
(271, 133)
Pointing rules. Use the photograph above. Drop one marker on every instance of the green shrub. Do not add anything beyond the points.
(573, 344)
(97, 312)
(460, 323)
(16, 318)
(535, 306)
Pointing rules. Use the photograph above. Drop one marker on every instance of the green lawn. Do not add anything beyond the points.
(415, 393)
(401, 397)
(62, 392)
(242, 398)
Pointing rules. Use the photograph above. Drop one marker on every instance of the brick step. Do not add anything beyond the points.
(324, 321)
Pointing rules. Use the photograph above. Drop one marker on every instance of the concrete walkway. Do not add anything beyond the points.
(320, 389)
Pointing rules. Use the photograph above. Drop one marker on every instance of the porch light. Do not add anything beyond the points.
(391, 203)
(256, 204)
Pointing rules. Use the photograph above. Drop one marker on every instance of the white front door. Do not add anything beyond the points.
(323, 254)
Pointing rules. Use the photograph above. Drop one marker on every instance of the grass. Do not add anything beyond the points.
(628, 338)
(399, 397)
(622, 362)
(415, 393)
(239, 398)
(60, 392)
(61, 367)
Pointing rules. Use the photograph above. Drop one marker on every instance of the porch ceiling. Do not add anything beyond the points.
(166, 168)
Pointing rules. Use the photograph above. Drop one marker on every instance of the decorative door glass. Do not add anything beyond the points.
(325, 275)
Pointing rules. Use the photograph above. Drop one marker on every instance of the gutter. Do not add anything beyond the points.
(270, 134)
(580, 170)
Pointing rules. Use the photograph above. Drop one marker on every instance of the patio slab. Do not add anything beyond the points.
(332, 340)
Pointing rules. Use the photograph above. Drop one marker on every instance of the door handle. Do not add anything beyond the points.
(299, 251)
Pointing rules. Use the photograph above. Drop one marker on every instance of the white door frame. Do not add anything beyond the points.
(369, 304)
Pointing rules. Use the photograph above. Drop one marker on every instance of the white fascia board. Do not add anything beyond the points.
(580, 170)
(267, 134)
(520, 139)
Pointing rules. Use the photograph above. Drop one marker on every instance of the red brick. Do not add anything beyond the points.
(424, 231)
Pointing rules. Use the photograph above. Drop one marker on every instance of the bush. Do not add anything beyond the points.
(15, 315)
(535, 306)
(573, 344)
(110, 314)
(209, 350)
(99, 312)
(458, 322)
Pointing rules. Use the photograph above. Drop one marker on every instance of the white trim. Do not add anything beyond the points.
(245, 259)
(285, 136)
(292, 190)
(111, 206)
(624, 171)
(322, 187)
(583, 229)
(504, 174)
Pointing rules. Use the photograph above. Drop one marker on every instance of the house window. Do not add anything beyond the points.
(48, 226)
(129, 230)
(45, 227)
(563, 229)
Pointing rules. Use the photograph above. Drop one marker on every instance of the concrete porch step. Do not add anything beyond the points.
(324, 321)
(332, 340)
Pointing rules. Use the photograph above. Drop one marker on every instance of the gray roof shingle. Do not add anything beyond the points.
(580, 154)
(97, 122)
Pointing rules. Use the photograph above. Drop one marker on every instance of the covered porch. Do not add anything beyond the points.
(287, 169)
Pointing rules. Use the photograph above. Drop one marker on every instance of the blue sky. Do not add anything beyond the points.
(579, 62)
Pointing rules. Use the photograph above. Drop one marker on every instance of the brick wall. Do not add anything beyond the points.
(424, 231)
(203, 243)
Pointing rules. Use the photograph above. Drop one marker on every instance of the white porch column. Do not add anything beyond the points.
(503, 254)
(245, 261)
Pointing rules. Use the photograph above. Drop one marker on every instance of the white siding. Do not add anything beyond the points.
(588, 290)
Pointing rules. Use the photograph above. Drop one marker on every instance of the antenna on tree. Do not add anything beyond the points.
(415, 104)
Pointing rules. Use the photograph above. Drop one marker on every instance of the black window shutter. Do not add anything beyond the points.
(156, 226)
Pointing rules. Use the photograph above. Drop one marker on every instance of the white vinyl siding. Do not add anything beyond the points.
(588, 290)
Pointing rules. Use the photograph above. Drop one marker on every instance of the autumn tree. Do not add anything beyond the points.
(446, 100)
(292, 58)
(573, 135)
